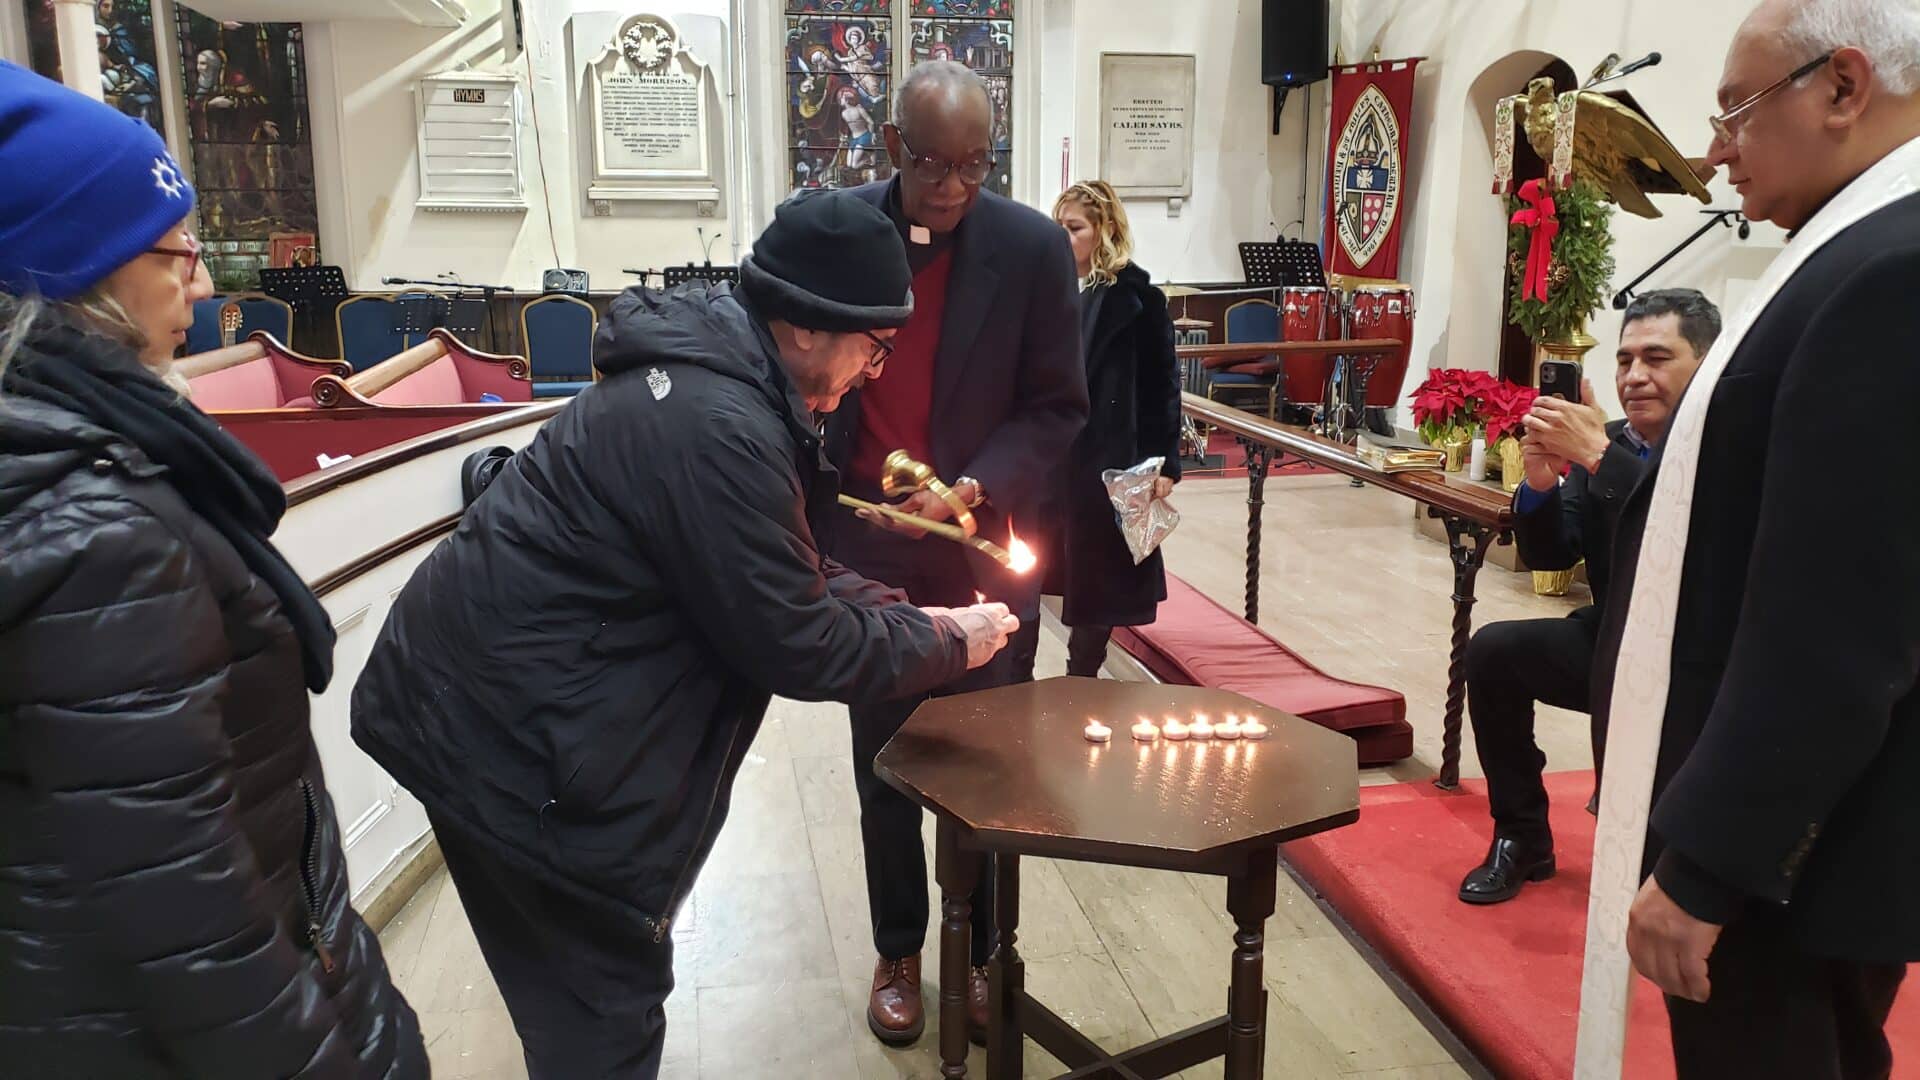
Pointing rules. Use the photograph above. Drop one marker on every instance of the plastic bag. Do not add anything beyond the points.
(1144, 520)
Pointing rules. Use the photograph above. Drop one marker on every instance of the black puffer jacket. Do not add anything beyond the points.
(576, 674)
(173, 897)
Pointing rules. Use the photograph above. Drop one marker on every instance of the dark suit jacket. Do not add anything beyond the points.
(1791, 747)
(1009, 389)
(1578, 519)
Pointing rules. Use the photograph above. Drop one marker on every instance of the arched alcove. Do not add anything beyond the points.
(1477, 330)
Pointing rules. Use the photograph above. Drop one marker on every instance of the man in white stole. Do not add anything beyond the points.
(1763, 753)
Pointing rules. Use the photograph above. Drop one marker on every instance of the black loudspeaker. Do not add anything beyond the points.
(1293, 50)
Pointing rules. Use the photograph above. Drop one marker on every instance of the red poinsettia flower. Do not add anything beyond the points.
(1507, 405)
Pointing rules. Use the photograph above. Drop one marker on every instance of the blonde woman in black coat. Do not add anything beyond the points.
(173, 897)
(1133, 385)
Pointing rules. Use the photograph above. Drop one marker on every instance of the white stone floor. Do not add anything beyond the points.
(773, 950)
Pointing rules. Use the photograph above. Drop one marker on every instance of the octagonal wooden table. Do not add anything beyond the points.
(1009, 772)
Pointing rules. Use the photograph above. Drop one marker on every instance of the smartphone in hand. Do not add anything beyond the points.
(1561, 379)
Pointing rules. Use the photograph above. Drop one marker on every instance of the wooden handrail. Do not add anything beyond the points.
(384, 374)
(1485, 505)
(232, 356)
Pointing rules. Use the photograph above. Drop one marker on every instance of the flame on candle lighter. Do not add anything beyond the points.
(1021, 557)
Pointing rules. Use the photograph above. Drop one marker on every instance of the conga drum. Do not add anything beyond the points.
(1307, 313)
(1383, 311)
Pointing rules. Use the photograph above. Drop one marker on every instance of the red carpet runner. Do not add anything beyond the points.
(1506, 977)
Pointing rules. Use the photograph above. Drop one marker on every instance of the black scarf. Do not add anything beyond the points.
(218, 477)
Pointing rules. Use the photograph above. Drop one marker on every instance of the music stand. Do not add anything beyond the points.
(1300, 263)
(1260, 263)
(313, 292)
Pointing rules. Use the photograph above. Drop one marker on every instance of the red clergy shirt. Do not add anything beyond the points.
(897, 408)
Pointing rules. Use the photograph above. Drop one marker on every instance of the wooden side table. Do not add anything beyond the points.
(1008, 773)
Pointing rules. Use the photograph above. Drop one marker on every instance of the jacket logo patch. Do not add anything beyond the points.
(658, 382)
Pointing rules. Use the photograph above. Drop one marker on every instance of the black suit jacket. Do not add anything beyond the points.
(1789, 756)
(1009, 388)
(1578, 519)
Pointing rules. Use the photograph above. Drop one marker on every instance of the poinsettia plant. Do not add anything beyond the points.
(1456, 403)
(1450, 402)
(1506, 406)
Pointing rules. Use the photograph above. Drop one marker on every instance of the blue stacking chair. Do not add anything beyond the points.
(1248, 320)
(369, 330)
(558, 333)
(257, 312)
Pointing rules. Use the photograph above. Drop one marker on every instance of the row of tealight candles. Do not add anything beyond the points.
(1175, 730)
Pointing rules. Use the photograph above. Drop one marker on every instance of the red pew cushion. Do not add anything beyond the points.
(1196, 642)
(436, 384)
(252, 385)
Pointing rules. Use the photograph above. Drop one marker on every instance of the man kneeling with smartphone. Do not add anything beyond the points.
(1511, 665)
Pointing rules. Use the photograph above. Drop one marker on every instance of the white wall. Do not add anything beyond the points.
(1247, 182)
(364, 76)
(1454, 242)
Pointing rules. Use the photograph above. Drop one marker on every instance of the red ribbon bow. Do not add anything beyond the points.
(1545, 227)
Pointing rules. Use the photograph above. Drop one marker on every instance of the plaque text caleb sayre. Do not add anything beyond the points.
(1146, 114)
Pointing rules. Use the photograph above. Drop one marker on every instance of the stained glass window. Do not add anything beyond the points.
(246, 90)
(842, 59)
(129, 72)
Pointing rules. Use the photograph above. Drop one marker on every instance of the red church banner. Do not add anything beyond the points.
(1367, 167)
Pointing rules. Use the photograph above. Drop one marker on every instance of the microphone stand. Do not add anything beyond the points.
(1728, 218)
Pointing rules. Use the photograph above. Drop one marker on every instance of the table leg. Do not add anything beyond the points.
(957, 872)
(1467, 543)
(1250, 900)
(1006, 976)
(1259, 458)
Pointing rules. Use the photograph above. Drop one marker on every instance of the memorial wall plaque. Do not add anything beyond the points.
(1146, 124)
(655, 118)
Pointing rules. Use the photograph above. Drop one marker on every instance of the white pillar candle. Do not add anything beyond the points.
(1098, 732)
(1145, 731)
(1477, 460)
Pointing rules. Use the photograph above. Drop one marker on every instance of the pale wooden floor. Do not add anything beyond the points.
(773, 951)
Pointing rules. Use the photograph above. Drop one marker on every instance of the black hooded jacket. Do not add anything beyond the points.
(577, 673)
(173, 896)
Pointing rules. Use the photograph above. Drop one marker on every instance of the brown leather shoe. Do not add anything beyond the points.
(895, 1012)
(977, 1006)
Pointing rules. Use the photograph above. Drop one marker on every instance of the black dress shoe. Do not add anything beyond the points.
(1507, 867)
(1593, 804)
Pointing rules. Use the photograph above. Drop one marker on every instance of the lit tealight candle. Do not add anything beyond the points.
(1228, 729)
(1145, 730)
(1174, 729)
(1200, 728)
(1098, 732)
(1253, 730)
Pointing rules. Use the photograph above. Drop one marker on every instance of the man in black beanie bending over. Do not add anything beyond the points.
(570, 682)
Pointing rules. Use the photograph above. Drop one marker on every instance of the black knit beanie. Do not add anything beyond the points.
(830, 261)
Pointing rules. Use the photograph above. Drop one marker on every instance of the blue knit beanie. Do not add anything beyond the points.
(86, 189)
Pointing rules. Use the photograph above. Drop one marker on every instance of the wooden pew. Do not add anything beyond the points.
(258, 373)
(439, 371)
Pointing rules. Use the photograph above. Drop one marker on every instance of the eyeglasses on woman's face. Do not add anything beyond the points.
(189, 251)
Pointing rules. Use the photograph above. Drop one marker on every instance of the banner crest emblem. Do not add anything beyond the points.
(1367, 176)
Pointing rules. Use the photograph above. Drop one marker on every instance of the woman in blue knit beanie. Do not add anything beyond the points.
(173, 895)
